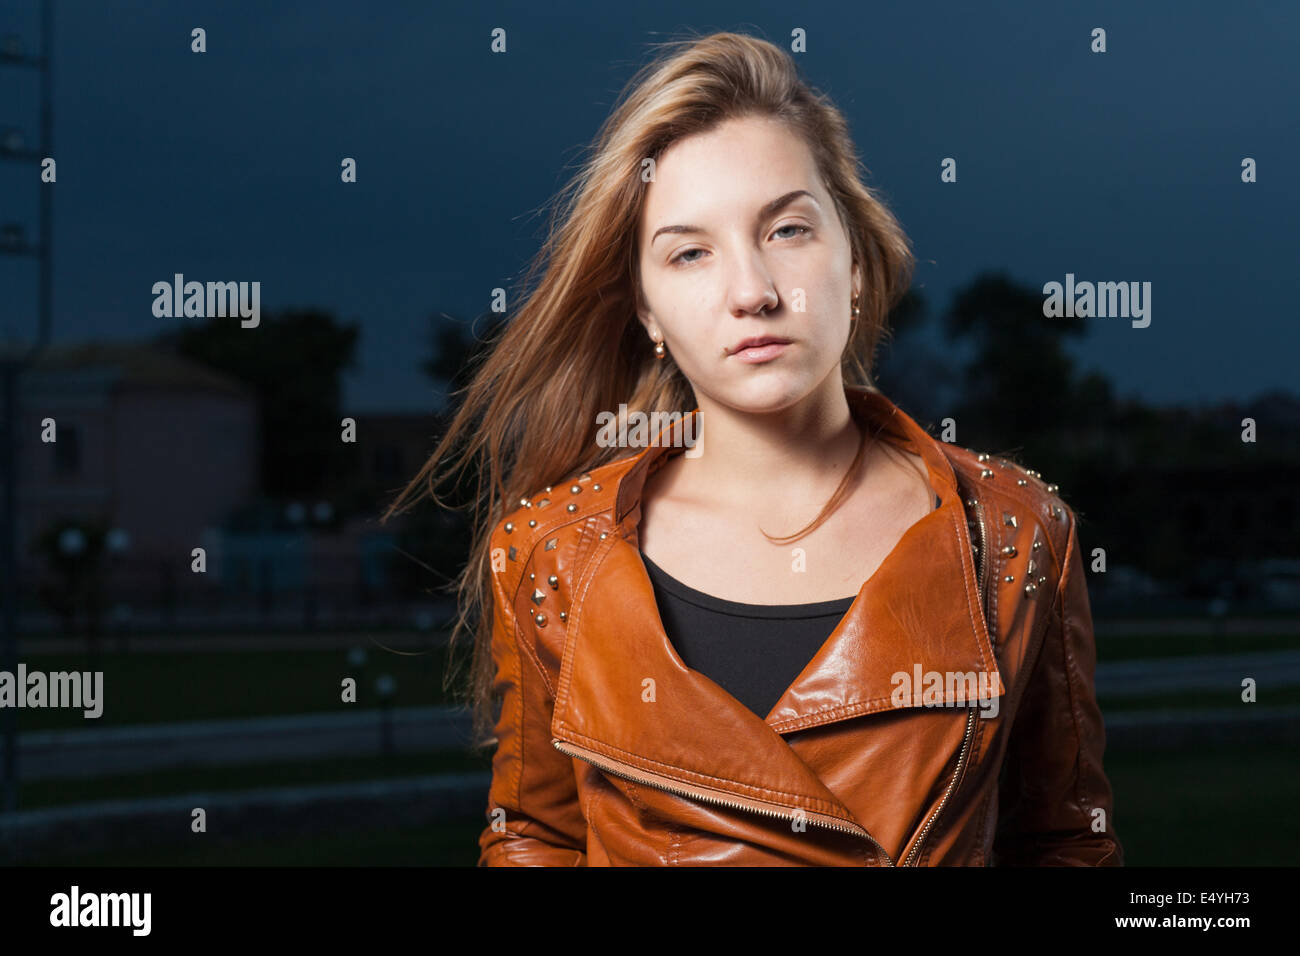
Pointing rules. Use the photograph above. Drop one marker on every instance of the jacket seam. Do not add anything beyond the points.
(522, 642)
(592, 834)
(1070, 665)
(516, 662)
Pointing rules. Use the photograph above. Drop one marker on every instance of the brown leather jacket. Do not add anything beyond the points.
(611, 752)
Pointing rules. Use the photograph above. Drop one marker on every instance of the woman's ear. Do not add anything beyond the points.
(645, 317)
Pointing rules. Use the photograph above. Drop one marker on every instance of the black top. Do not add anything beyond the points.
(753, 651)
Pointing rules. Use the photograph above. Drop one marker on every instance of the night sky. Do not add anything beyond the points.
(224, 166)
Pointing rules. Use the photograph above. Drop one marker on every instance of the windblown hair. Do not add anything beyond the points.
(528, 416)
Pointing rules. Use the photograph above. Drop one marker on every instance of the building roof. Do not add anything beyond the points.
(140, 365)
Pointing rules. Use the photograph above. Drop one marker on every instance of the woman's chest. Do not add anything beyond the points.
(730, 557)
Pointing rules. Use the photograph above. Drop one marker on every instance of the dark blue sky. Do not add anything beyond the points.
(225, 166)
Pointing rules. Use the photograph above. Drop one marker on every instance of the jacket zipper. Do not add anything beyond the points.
(981, 575)
(982, 572)
(961, 762)
(665, 783)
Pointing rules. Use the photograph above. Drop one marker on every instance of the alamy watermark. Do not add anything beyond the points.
(1122, 300)
(947, 689)
(83, 690)
(640, 429)
(75, 908)
(178, 298)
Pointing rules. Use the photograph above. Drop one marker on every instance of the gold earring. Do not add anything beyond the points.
(856, 310)
(660, 351)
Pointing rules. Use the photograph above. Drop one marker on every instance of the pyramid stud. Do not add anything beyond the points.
(550, 545)
(538, 596)
(1009, 520)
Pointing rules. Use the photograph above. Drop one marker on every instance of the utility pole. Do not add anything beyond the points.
(14, 358)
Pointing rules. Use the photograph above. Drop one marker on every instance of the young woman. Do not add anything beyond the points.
(814, 636)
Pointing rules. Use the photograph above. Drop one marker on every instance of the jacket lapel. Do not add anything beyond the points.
(625, 693)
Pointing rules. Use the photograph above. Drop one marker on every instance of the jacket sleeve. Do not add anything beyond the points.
(1055, 803)
(534, 815)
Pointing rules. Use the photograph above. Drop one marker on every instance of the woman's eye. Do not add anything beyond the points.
(794, 225)
(679, 257)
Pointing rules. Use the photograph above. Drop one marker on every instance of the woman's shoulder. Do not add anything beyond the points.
(1017, 504)
(550, 526)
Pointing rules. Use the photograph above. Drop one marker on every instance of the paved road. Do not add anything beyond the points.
(1211, 673)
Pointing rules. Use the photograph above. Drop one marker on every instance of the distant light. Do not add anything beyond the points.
(72, 541)
(323, 511)
(295, 512)
(117, 540)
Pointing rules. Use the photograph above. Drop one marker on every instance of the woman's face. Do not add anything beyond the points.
(737, 220)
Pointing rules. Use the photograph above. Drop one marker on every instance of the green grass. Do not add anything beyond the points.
(1137, 646)
(1222, 806)
(147, 688)
(48, 793)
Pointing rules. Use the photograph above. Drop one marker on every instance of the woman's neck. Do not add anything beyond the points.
(750, 460)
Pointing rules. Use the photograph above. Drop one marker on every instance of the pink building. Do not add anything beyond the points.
(154, 444)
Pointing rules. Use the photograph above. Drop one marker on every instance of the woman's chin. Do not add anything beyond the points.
(765, 389)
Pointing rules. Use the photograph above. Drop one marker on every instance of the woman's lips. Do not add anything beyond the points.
(760, 353)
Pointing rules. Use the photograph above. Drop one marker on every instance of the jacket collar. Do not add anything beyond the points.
(625, 692)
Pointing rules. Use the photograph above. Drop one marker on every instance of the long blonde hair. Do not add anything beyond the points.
(528, 416)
